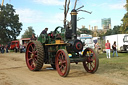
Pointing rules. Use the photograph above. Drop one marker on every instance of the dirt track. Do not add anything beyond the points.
(13, 71)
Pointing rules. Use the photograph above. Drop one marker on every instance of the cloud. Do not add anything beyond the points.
(34, 16)
(54, 18)
(119, 5)
(95, 21)
(50, 2)
(29, 16)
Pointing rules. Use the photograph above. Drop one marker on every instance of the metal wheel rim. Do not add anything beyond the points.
(61, 63)
(91, 63)
(31, 56)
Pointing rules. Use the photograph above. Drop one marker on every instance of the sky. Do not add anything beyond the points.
(49, 13)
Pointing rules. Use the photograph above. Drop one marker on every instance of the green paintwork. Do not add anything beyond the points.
(47, 39)
(49, 42)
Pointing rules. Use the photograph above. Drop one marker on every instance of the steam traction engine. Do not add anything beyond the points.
(60, 48)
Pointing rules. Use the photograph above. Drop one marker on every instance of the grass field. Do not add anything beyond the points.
(114, 65)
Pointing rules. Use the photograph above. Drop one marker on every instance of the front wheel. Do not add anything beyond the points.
(62, 62)
(91, 62)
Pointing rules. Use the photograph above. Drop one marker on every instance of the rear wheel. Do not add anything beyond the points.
(62, 62)
(92, 62)
(34, 56)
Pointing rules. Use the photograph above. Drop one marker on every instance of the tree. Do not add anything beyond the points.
(85, 31)
(124, 26)
(28, 33)
(10, 27)
(126, 5)
(109, 32)
(116, 30)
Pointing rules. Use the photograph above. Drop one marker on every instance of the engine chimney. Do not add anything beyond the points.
(74, 23)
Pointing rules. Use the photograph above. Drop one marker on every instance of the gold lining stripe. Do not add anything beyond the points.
(73, 13)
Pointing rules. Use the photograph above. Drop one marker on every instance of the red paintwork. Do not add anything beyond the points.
(90, 63)
(61, 63)
(14, 44)
(78, 48)
(31, 56)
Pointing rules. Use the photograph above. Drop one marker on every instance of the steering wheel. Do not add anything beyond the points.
(57, 33)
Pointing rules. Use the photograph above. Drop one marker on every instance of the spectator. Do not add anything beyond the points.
(21, 48)
(6, 48)
(44, 31)
(33, 37)
(97, 47)
(114, 49)
(107, 47)
(16, 48)
(2, 48)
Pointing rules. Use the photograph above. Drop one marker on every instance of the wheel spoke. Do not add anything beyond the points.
(62, 68)
(62, 65)
(64, 61)
(30, 51)
(90, 67)
(91, 64)
(32, 47)
(33, 64)
(35, 52)
(30, 59)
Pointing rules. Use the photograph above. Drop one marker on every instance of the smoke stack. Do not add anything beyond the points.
(74, 23)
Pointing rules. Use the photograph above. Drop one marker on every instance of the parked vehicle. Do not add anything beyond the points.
(125, 46)
(19, 45)
(121, 41)
(87, 40)
(14, 44)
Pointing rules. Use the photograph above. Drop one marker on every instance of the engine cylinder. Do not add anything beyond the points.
(74, 46)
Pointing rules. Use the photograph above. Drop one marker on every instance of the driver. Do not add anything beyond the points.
(44, 31)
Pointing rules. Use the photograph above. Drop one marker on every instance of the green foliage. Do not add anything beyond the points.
(124, 26)
(109, 32)
(84, 31)
(126, 5)
(10, 27)
(28, 33)
(115, 30)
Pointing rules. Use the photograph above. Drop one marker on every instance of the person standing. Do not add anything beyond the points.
(16, 47)
(6, 48)
(2, 49)
(97, 47)
(114, 49)
(107, 47)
